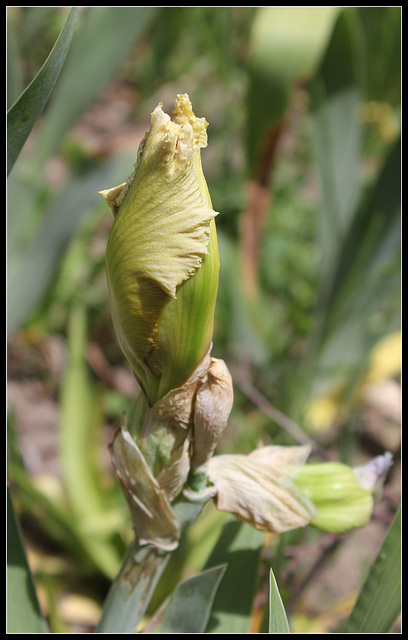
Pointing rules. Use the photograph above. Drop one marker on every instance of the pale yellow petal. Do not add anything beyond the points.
(257, 494)
(285, 460)
(159, 238)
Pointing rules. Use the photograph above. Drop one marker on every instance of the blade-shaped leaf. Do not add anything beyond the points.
(335, 94)
(239, 546)
(23, 611)
(278, 622)
(372, 241)
(79, 448)
(379, 602)
(286, 44)
(31, 274)
(102, 41)
(360, 233)
(22, 116)
(188, 608)
(364, 282)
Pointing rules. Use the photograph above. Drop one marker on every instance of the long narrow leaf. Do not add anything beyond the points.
(188, 608)
(278, 622)
(379, 602)
(286, 44)
(55, 518)
(30, 276)
(364, 282)
(371, 244)
(22, 116)
(83, 479)
(101, 44)
(78, 417)
(335, 95)
(23, 611)
(359, 235)
(239, 546)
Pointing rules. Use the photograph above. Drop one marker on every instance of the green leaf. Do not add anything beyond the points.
(335, 92)
(362, 282)
(372, 242)
(188, 608)
(22, 116)
(360, 232)
(80, 448)
(379, 602)
(382, 30)
(30, 274)
(79, 414)
(286, 45)
(239, 546)
(56, 519)
(278, 622)
(23, 610)
(102, 41)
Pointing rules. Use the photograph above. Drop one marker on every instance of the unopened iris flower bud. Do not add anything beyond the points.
(162, 268)
(343, 496)
(276, 491)
(258, 488)
(162, 259)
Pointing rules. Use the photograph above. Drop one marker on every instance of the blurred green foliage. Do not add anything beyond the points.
(318, 133)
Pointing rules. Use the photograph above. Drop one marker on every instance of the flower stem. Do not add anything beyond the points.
(130, 593)
(141, 569)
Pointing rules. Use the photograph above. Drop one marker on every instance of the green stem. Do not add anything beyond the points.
(140, 572)
(130, 593)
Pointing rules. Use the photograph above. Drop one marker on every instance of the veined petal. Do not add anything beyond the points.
(160, 238)
(257, 493)
(185, 327)
(344, 497)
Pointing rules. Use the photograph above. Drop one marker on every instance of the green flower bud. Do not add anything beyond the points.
(275, 490)
(344, 497)
(162, 259)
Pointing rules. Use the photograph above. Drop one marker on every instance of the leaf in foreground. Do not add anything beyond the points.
(188, 608)
(24, 113)
(278, 622)
(23, 611)
(379, 602)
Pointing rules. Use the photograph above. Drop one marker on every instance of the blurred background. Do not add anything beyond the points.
(303, 164)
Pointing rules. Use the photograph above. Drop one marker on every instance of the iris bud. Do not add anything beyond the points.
(344, 497)
(275, 490)
(162, 259)
(162, 269)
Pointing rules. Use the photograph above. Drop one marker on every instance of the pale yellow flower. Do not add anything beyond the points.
(162, 259)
